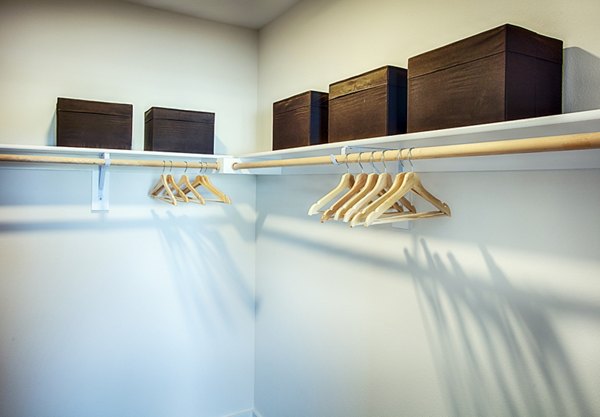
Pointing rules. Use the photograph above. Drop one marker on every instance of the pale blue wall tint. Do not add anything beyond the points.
(143, 311)
(494, 311)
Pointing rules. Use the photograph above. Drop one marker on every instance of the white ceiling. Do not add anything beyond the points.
(252, 14)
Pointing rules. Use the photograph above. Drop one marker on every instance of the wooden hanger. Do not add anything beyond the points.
(384, 182)
(186, 187)
(360, 182)
(352, 202)
(411, 182)
(179, 195)
(370, 200)
(204, 181)
(357, 201)
(162, 189)
(346, 182)
(378, 214)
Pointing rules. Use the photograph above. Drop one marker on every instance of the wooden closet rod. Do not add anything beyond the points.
(100, 161)
(572, 142)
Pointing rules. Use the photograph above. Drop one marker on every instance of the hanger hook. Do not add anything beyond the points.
(164, 167)
(412, 167)
(362, 169)
(383, 160)
(186, 167)
(171, 167)
(371, 158)
(400, 159)
(346, 162)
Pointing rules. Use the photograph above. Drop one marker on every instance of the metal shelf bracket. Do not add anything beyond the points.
(100, 185)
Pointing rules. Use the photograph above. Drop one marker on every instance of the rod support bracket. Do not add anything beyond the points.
(100, 185)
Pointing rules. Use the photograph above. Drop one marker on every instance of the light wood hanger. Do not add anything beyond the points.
(179, 195)
(204, 181)
(186, 187)
(351, 203)
(410, 182)
(346, 182)
(355, 199)
(360, 181)
(383, 184)
(162, 189)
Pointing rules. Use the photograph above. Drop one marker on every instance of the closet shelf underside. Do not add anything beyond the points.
(564, 124)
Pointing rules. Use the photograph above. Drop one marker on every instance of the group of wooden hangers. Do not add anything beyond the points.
(368, 199)
(171, 191)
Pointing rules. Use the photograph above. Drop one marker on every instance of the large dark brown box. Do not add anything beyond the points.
(368, 105)
(93, 124)
(505, 73)
(172, 130)
(300, 120)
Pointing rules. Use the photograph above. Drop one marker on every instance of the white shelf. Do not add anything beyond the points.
(563, 124)
(97, 152)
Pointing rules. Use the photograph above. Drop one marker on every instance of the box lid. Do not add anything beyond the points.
(308, 98)
(387, 75)
(505, 38)
(162, 113)
(96, 107)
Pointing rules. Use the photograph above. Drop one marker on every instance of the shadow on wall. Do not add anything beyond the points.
(581, 77)
(51, 135)
(495, 346)
(204, 273)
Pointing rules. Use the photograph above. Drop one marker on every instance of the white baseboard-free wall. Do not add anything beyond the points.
(147, 310)
(120, 52)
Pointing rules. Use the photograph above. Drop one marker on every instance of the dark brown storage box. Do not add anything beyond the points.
(93, 124)
(502, 74)
(368, 105)
(300, 120)
(172, 130)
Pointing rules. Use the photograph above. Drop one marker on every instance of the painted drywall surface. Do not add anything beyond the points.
(322, 41)
(495, 311)
(119, 52)
(147, 310)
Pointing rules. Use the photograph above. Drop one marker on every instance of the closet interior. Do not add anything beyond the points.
(449, 272)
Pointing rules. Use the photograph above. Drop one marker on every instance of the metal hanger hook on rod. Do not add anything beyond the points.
(383, 161)
(400, 159)
(412, 167)
(362, 169)
(371, 160)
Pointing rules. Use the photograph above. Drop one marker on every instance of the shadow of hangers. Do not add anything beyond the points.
(204, 272)
(495, 346)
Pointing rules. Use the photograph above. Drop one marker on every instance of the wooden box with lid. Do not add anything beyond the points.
(368, 105)
(174, 130)
(300, 120)
(93, 124)
(505, 73)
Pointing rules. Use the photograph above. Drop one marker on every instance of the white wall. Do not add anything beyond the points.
(322, 41)
(147, 310)
(492, 312)
(114, 51)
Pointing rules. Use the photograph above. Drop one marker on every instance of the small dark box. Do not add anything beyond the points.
(93, 124)
(172, 130)
(300, 120)
(505, 73)
(368, 105)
